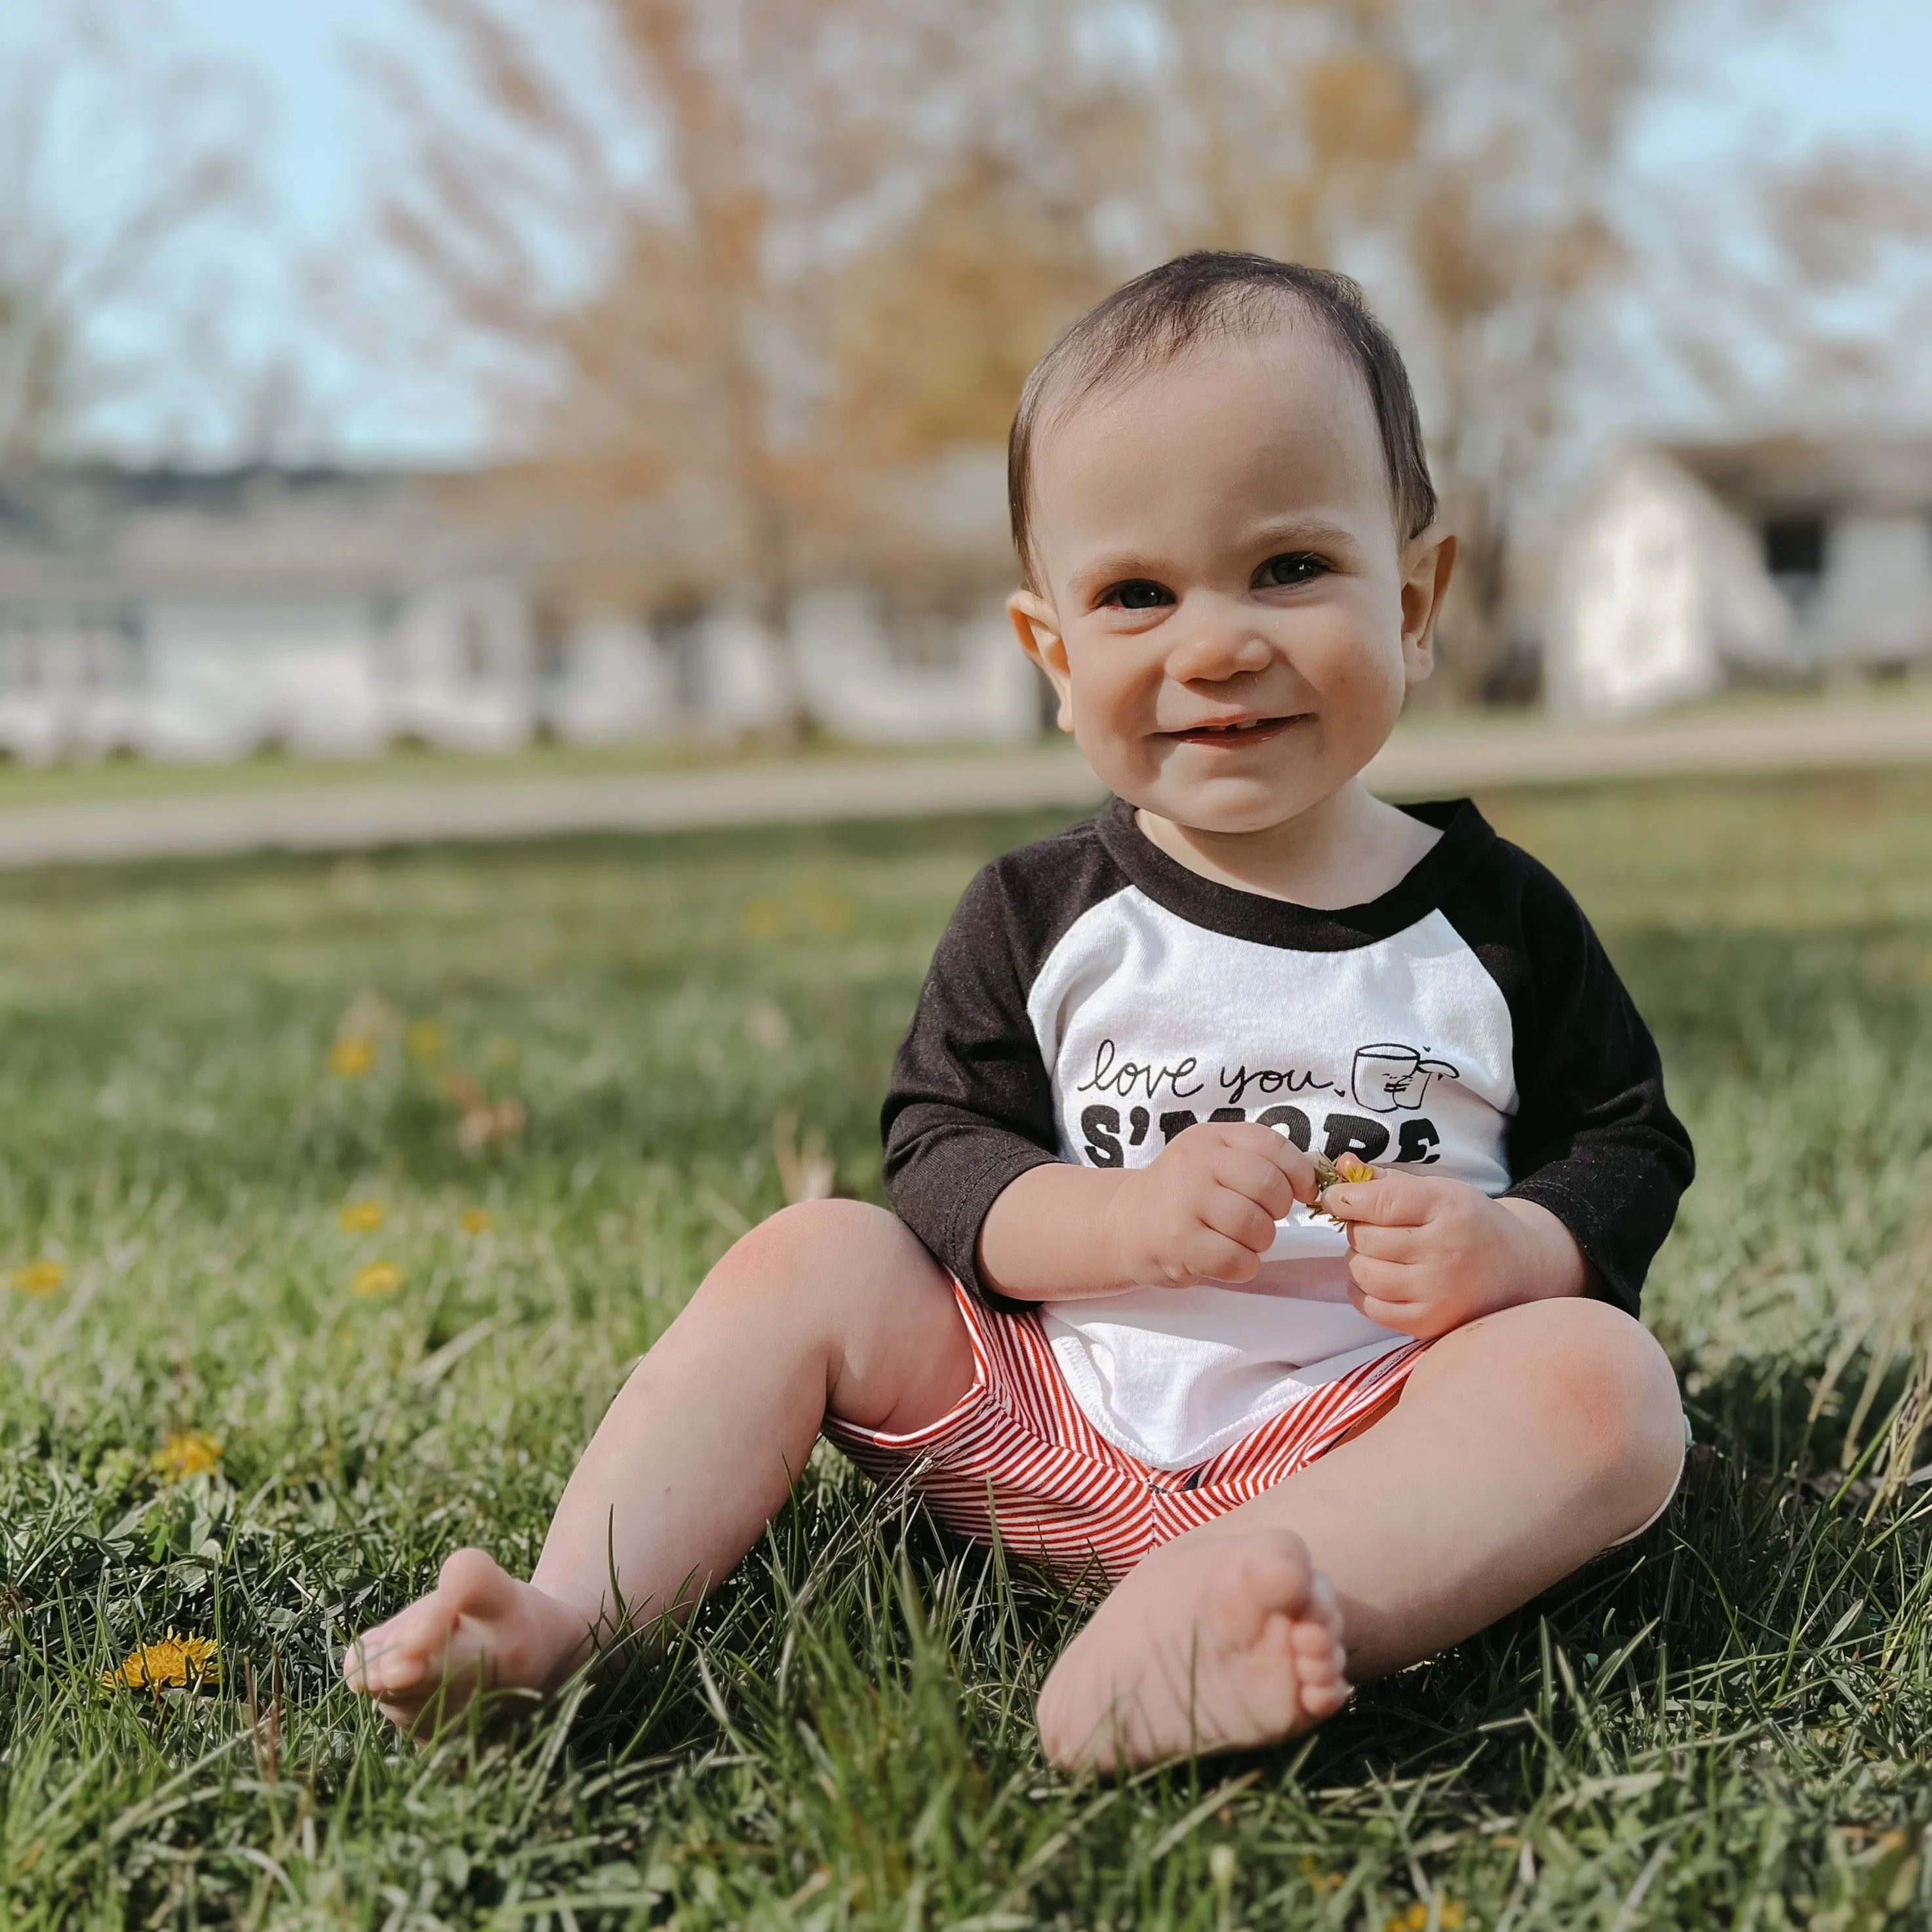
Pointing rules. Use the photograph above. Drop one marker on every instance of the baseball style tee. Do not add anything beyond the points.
(1092, 998)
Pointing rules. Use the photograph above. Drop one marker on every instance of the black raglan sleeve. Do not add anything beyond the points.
(970, 1107)
(1593, 1140)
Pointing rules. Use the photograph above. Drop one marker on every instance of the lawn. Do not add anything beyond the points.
(236, 1213)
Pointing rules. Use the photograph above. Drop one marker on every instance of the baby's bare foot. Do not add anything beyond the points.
(1214, 1643)
(478, 1630)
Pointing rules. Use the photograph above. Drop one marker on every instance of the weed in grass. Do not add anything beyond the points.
(1722, 1726)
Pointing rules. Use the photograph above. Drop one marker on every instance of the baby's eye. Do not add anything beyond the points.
(1138, 593)
(1291, 567)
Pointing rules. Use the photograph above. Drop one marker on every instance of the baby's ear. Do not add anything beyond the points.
(1428, 563)
(1038, 630)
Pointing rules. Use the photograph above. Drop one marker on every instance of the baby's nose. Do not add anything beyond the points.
(1213, 648)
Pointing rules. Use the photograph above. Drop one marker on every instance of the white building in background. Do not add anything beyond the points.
(1694, 567)
(200, 615)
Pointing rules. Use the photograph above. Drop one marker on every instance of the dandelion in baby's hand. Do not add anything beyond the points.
(424, 1040)
(375, 1278)
(352, 1056)
(38, 1277)
(363, 1217)
(475, 1221)
(187, 1452)
(1331, 1173)
(176, 1663)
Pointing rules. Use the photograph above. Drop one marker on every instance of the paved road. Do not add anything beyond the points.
(1431, 760)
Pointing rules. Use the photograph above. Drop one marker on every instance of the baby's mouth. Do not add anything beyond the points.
(1235, 733)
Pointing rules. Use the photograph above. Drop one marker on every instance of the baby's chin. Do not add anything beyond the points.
(1228, 807)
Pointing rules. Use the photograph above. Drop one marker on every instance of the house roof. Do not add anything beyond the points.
(1802, 476)
(96, 531)
(89, 532)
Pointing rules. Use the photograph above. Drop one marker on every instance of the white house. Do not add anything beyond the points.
(200, 616)
(1694, 567)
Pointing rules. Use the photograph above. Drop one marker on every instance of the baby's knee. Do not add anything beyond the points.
(806, 1232)
(819, 1249)
(1607, 1374)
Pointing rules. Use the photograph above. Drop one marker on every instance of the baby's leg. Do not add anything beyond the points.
(831, 1304)
(1522, 1446)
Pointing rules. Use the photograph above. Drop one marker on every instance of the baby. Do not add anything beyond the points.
(1304, 1448)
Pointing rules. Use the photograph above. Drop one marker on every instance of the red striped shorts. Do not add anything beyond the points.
(1016, 1451)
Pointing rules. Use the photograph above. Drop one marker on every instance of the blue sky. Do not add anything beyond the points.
(1843, 69)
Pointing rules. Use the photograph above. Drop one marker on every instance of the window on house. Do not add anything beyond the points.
(1794, 548)
(928, 633)
(680, 631)
(20, 658)
(473, 647)
(550, 643)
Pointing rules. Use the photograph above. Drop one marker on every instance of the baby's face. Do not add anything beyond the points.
(1227, 609)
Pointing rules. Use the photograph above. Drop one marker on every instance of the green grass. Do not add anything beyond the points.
(1725, 1725)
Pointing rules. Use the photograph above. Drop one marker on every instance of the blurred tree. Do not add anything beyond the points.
(1466, 159)
(114, 152)
(1797, 300)
(744, 257)
(692, 388)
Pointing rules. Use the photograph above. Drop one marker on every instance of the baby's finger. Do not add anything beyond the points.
(1262, 1181)
(1403, 1244)
(1234, 1215)
(1297, 1164)
(1405, 1318)
(1209, 1256)
(1390, 1200)
(1384, 1281)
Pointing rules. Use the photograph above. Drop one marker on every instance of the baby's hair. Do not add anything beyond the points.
(1212, 295)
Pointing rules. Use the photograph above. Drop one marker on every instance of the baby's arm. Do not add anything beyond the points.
(1598, 1159)
(1203, 1210)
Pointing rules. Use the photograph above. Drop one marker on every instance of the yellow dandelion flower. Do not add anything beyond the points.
(363, 1217)
(188, 1452)
(424, 1040)
(763, 919)
(376, 1278)
(1449, 1915)
(177, 1663)
(833, 912)
(40, 1277)
(352, 1056)
(475, 1221)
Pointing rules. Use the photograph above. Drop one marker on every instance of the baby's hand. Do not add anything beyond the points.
(1204, 1209)
(1427, 1254)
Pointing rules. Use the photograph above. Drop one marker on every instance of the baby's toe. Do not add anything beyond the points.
(1321, 1670)
(400, 1668)
(393, 1656)
(1313, 1637)
(1323, 1605)
(1324, 1700)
